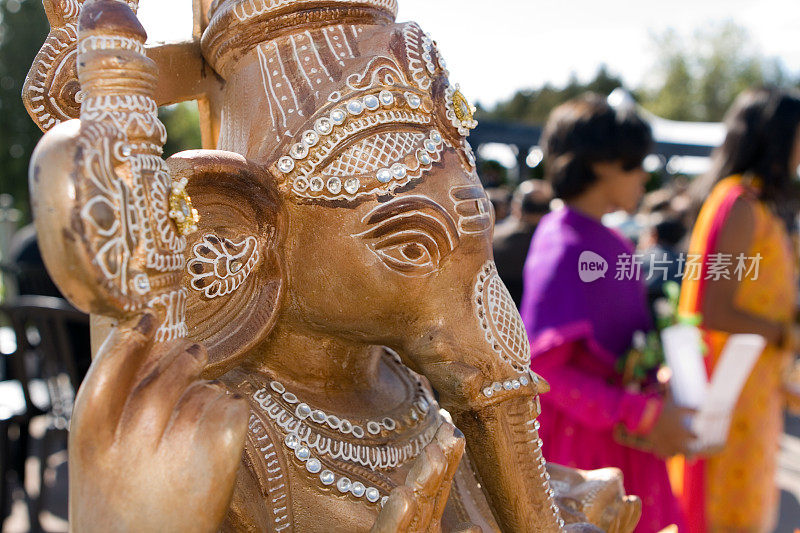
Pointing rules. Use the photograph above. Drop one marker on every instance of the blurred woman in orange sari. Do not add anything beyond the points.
(739, 225)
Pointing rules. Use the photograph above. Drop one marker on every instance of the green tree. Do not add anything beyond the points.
(183, 127)
(672, 62)
(698, 78)
(23, 29)
(534, 105)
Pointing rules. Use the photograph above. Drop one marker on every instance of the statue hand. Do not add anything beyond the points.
(418, 505)
(595, 496)
(152, 447)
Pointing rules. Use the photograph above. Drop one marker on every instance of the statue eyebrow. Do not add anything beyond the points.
(398, 213)
(473, 208)
(405, 204)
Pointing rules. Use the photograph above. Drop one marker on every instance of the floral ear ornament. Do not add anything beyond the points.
(219, 265)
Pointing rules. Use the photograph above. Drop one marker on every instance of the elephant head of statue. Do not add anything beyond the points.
(352, 207)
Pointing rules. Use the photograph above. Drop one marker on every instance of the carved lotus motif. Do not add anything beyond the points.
(220, 266)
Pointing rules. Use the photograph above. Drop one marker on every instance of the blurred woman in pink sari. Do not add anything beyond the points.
(581, 315)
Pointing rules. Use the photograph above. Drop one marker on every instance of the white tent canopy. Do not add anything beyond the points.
(672, 131)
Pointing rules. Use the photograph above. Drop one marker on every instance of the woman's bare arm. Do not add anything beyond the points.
(719, 304)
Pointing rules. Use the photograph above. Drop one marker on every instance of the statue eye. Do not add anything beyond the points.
(410, 252)
(410, 234)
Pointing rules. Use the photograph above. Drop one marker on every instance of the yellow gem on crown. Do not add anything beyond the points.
(462, 108)
(181, 211)
(459, 111)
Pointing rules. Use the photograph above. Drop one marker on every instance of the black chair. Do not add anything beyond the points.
(44, 371)
(23, 267)
(28, 278)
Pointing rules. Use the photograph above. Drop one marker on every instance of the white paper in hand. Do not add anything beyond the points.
(716, 400)
(684, 355)
(739, 356)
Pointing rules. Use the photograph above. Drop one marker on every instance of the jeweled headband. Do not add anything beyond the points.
(347, 152)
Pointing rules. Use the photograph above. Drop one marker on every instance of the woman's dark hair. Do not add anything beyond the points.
(761, 133)
(585, 131)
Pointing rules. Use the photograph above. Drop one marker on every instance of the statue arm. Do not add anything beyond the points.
(152, 446)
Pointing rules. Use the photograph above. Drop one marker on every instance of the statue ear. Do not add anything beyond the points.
(234, 272)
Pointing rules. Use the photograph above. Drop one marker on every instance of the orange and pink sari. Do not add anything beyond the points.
(735, 490)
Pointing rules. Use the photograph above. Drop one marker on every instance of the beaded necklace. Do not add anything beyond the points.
(325, 444)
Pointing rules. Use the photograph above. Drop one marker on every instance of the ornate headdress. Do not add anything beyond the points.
(236, 26)
(357, 106)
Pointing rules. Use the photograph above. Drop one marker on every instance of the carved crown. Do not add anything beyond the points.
(236, 26)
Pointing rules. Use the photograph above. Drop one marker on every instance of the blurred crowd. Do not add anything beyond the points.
(597, 268)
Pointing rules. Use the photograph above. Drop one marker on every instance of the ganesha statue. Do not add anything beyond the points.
(326, 262)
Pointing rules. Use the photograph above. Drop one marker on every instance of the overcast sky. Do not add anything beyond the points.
(495, 47)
